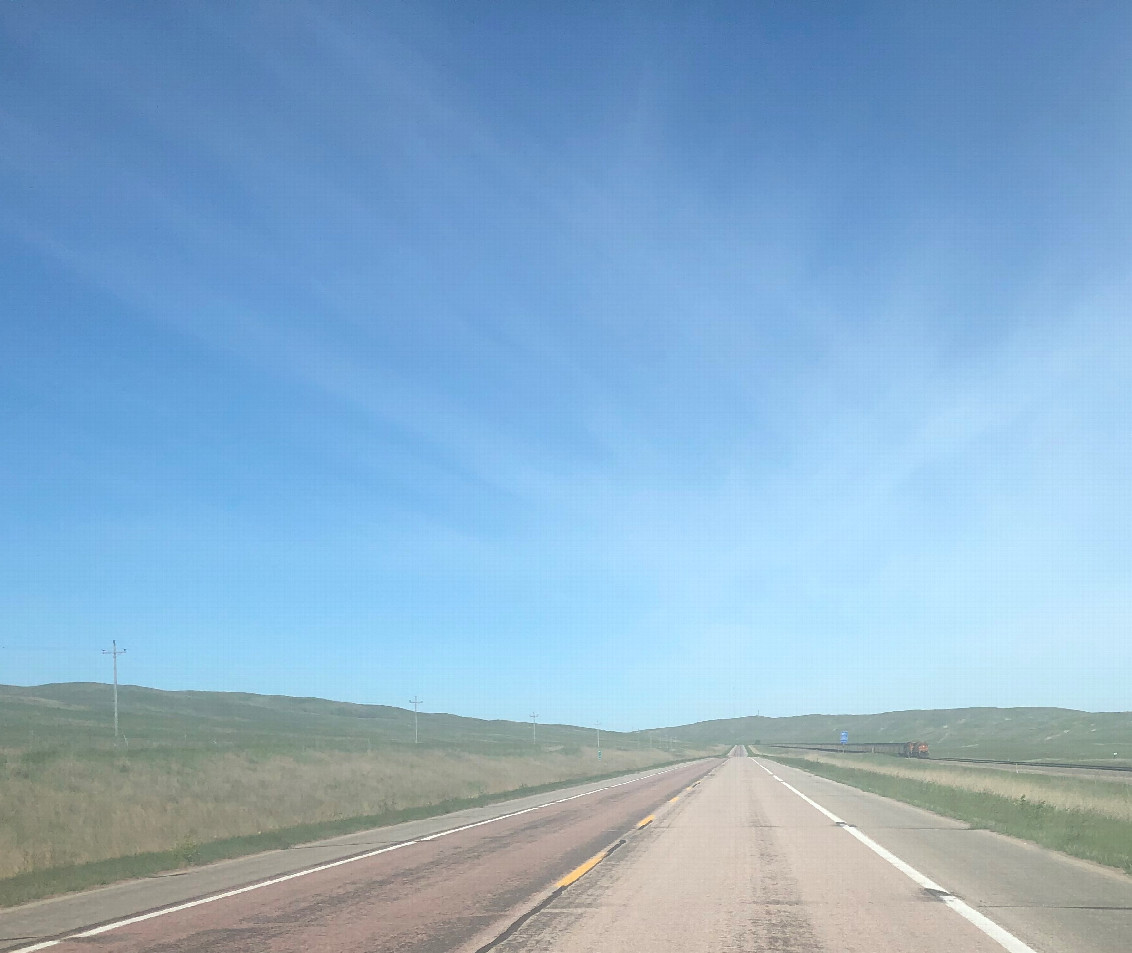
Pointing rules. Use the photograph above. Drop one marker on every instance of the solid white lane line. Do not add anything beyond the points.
(307, 871)
(1003, 938)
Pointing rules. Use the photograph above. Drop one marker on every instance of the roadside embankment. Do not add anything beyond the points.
(70, 822)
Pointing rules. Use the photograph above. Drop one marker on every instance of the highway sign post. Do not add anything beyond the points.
(845, 737)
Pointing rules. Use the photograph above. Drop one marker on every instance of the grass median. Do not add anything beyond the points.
(1102, 834)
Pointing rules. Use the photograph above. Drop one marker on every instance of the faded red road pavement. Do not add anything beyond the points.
(454, 893)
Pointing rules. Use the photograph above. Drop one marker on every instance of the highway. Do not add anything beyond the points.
(728, 854)
(746, 862)
(446, 883)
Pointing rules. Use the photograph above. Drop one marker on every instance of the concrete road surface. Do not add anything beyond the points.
(745, 863)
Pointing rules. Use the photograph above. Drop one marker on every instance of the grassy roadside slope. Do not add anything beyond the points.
(50, 881)
(1100, 830)
(198, 776)
(58, 810)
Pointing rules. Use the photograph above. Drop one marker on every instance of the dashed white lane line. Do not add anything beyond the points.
(307, 871)
(1003, 938)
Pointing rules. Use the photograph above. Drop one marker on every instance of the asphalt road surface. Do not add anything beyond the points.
(733, 854)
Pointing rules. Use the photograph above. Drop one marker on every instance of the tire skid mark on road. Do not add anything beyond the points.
(329, 865)
(1003, 938)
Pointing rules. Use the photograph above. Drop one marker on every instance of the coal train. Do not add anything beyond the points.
(903, 749)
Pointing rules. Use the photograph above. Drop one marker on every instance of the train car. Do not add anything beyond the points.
(903, 749)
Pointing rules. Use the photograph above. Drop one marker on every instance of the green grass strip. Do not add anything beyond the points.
(51, 881)
(1105, 840)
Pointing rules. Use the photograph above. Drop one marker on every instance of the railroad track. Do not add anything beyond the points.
(1076, 765)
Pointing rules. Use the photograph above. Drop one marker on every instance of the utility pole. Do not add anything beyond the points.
(114, 653)
(416, 703)
(597, 728)
(534, 729)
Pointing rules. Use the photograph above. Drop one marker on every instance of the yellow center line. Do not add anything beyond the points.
(590, 864)
(583, 869)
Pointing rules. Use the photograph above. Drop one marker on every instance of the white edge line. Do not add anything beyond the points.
(294, 875)
(1002, 937)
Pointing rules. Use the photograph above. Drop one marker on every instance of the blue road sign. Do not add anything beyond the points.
(845, 737)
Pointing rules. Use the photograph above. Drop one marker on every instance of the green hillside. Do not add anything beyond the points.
(208, 775)
(1055, 734)
(79, 715)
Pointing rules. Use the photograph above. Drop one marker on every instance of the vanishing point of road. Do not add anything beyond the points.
(725, 854)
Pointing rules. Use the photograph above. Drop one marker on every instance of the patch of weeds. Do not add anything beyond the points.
(187, 850)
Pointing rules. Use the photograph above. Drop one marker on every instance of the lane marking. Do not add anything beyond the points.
(674, 799)
(1003, 938)
(647, 820)
(582, 869)
(307, 871)
(561, 886)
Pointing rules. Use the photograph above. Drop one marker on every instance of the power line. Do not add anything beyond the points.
(114, 653)
(416, 703)
(534, 728)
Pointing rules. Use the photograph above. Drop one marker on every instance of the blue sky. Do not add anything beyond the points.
(632, 363)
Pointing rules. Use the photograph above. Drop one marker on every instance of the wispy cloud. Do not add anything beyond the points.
(666, 364)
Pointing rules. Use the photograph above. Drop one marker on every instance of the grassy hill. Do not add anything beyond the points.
(212, 774)
(207, 775)
(79, 715)
(1055, 734)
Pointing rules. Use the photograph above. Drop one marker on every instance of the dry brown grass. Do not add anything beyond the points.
(1108, 798)
(71, 810)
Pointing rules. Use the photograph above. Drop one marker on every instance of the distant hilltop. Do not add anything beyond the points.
(77, 712)
(80, 714)
(1031, 733)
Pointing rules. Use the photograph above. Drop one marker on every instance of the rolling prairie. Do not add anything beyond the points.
(192, 769)
(62, 809)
